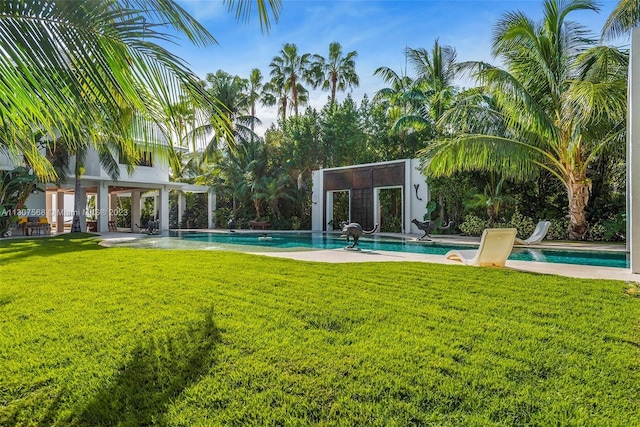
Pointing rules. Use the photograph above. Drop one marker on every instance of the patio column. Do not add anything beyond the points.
(102, 207)
(182, 206)
(49, 207)
(211, 205)
(135, 211)
(60, 212)
(317, 205)
(633, 154)
(164, 208)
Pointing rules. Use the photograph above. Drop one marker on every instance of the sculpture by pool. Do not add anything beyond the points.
(355, 230)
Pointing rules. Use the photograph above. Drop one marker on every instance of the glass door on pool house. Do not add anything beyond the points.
(338, 208)
(389, 209)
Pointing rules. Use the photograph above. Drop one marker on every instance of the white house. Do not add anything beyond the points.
(149, 179)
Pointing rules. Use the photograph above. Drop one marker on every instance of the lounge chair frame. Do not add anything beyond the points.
(495, 247)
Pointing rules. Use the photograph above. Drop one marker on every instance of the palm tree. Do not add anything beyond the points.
(399, 96)
(339, 72)
(243, 9)
(277, 92)
(432, 91)
(557, 105)
(292, 70)
(233, 103)
(237, 173)
(254, 92)
(491, 198)
(90, 61)
(274, 189)
(435, 76)
(68, 64)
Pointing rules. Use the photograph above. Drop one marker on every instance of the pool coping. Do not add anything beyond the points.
(343, 256)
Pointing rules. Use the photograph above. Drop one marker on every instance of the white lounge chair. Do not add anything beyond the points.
(538, 234)
(495, 247)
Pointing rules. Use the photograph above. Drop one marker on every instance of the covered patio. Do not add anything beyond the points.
(104, 203)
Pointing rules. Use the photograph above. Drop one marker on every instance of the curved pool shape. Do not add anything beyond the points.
(256, 242)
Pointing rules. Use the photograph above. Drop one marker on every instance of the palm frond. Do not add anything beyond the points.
(467, 152)
(622, 19)
(267, 9)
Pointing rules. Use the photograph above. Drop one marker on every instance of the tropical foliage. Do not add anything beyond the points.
(559, 102)
(67, 64)
(15, 186)
(542, 136)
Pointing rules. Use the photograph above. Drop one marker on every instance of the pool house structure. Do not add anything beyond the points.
(389, 194)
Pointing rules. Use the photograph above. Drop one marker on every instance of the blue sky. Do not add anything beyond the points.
(378, 30)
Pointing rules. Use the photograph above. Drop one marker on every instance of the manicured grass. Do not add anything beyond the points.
(95, 336)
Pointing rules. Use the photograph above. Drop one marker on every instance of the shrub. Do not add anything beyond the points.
(616, 227)
(524, 224)
(558, 229)
(280, 224)
(221, 217)
(295, 223)
(597, 232)
(473, 225)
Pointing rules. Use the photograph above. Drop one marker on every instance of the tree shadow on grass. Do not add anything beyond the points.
(12, 249)
(157, 372)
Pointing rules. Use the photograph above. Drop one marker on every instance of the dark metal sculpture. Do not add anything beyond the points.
(428, 227)
(153, 227)
(354, 230)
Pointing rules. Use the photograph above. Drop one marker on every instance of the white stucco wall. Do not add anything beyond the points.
(418, 207)
(633, 154)
(317, 200)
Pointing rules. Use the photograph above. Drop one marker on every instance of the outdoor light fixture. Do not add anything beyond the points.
(416, 186)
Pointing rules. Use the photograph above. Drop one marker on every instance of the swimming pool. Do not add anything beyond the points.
(254, 242)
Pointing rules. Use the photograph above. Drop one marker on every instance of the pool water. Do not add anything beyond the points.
(309, 240)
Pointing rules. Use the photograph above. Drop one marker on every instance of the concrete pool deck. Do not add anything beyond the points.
(343, 256)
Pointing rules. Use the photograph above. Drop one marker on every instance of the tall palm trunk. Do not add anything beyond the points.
(578, 186)
(253, 115)
(284, 108)
(491, 212)
(294, 91)
(334, 84)
(75, 225)
(256, 205)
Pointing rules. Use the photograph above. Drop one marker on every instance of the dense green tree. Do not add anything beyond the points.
(559, 103)
(343, 137)
(301, 148)
(15, 186)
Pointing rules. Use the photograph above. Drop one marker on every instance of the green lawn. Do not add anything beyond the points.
(95, 336)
